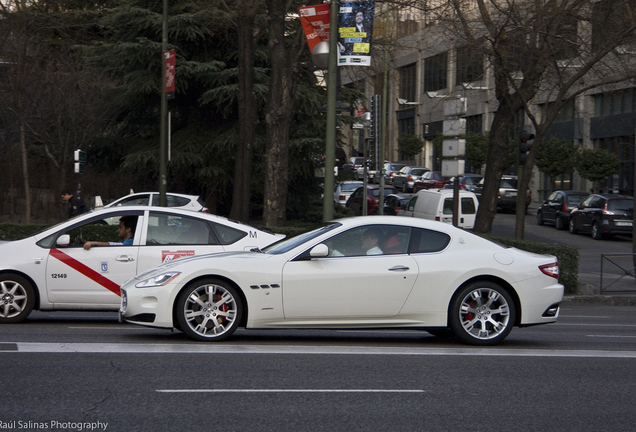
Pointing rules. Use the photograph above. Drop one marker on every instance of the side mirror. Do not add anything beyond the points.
(63, 240)
(319, 251)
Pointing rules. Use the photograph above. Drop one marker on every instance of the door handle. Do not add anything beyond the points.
(399, 268)
(124, 258)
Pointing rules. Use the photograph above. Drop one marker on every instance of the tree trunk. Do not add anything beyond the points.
(496, 164)
(246, 11)
(279, 113)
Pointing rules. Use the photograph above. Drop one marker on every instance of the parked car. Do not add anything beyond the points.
(437, 204)
(394, 203)
(372, 196)
(507, 197)
(344, 189)
(557, 208)
(407, 176)
(185, 202)
(53, 271)
(466, 182)
(603, 215)
(326, 278)
(390, 170)
(430, 180)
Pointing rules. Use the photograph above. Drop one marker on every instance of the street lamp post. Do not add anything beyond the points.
(163, 136)
(330, 141)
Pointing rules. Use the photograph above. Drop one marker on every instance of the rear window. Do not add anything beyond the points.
(376, 192)
(467, 203)
(508, 184)
(620, 204)
(418, 172)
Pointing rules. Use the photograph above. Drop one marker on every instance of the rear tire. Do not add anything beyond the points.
(482, 313)
(597, 234)
(17, 298)
(540, 220)
(559, 224)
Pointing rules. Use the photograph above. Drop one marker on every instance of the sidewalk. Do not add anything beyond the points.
(623, 291)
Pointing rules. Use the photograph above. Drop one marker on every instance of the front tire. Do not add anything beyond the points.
(572, 226)
(597, 234)
(482, 313)
(209, 310)
(540, 220)
(559, 224)
(17, 299)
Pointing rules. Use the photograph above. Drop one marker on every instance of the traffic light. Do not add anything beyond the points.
(525, 142)
(79, 157)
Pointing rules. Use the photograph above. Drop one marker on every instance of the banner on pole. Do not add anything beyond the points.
(169, 63)
(315, 22)
(355, 31)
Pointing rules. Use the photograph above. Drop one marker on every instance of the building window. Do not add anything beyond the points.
(408, 83)
(435, 72)
(619, 102)
(609, 19)
(470, 64)
(474, 124)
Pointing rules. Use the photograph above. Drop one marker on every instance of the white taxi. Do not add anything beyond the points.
(53, 271)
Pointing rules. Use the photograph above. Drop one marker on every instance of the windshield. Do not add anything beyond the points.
(289, 244)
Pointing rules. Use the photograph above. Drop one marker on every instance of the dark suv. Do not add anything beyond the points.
(603, 215)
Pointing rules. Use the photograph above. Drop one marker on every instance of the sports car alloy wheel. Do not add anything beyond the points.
(16, 298)
(482, 313)
(209, 310)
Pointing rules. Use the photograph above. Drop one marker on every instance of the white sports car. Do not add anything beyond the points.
(53, 271)
(363, 272)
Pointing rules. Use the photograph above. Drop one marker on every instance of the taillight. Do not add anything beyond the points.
(551, 270)
(565, 208)
(409, 178)
(342, 198)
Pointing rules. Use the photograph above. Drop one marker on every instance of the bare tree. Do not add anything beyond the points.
(540, 52)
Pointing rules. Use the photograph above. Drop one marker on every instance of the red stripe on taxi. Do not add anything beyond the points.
(86, 271)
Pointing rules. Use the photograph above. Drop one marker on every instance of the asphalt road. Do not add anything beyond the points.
(76, 369)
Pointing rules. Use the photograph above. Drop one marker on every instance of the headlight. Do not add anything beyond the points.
(159, 280)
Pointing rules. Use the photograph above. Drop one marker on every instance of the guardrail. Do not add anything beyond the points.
(618, 273)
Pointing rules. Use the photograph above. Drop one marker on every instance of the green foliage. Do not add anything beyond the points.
(410, 145)
(595, 165)
(477, 149)
(556, 156)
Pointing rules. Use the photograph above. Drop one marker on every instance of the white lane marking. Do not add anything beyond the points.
(216, 348)
(611, 336)
(287, 391)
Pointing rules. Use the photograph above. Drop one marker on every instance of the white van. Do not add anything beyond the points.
(437, 204)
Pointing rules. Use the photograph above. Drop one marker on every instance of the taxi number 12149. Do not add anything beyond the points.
(58, 276)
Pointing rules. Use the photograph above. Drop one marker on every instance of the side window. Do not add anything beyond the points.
(228, 235)
(370, 240)
(448, 206)
(171, 200)
(553, 197)
(468, 205)
(136, 200)
(93, 230)
(165, 229)
(411, 205)
(429, 241)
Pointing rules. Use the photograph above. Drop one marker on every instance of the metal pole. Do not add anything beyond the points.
(163, 136)
(330, 142)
